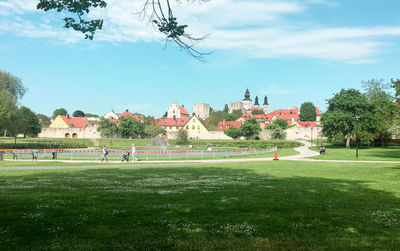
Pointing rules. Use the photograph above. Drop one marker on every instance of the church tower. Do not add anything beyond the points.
(256, 104)
(265, 104)
(247, 102)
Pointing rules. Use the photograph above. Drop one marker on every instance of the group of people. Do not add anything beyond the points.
(124, 156)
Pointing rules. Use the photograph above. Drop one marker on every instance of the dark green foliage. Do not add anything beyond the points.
(107, 128)
(44, 120)
(233, 132)
(396, 86)
(250, 128)
(255, 112)
(78, 113)
(278, 123)
(213, 120)
(339, 121)
(59, 111)
(153, 130)
(11, 85)
(30, 124)
(130, 127)
(8, 109)
(90, 115)
(80, 8)
(226, 108)
(182, 137)
(278, 133)
(308, 112)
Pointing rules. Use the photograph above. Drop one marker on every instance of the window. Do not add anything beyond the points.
(198, 127)
(187, 127)
(177, 128)
(193, 127)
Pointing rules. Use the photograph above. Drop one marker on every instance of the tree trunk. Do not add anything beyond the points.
(348, 141)
(5, 133)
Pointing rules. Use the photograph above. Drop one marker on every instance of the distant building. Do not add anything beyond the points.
(225, 125)
(202, 111)
(71, 127)
(115, 117)
(177, 111)
(246, 105)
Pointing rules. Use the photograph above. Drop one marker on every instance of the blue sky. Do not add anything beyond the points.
(293, 51)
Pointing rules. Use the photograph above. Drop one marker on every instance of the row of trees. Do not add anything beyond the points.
(364, 116)
(130, 128)
(15, 120)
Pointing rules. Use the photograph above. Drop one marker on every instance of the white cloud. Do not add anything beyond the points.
(255, 29)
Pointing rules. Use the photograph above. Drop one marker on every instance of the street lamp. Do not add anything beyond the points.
(357, 132)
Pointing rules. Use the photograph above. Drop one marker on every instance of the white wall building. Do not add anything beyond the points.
(202, 111)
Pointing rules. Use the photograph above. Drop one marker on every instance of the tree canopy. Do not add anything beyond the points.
(349, 112)
(396, 86)
(308, 112)
(11, 85)
(59, 111)
(30, 124)
(78, 113)
(159, 13)
(250, 128)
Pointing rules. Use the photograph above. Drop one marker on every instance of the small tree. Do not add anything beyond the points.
(278, 133)
(153, 130)
(250, 128)
(226, 108)
(59, 111)
(107, 128)
(308, 112)
(78, 113)
(278, 123)
(233, 132)
(30, 124)
(182, 137)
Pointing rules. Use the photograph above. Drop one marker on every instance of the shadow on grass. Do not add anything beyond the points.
(193, 208)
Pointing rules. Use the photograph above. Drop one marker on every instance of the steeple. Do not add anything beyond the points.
(265, 100)
(247, 95)
(256, 102)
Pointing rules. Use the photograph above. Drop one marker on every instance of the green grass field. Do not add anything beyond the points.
(282, 205)
(390, 153)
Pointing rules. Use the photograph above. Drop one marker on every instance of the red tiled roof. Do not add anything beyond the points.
(305, 123)
(173, 122)
(129, 114)
(288, 116)
(224, 125)
(74, 122)
(183, 110)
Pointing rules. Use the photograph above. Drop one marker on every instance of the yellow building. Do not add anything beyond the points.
(192, 125)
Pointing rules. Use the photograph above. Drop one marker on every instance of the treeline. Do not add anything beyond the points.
(363, 117)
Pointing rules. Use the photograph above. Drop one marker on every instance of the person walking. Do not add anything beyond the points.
(104, 153)
(133, 152)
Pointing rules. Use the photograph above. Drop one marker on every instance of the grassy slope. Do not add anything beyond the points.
(252, 206)
(365, 153)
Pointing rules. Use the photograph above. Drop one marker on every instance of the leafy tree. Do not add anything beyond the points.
(377, 92)
(78, 113)
(59, 111)
(395, 131)
(278, 133)
(250, 128)
(308, 112)
(182, 137)
(233, 132)
(8, 109)
(159, 13)
(107, 128)
(396, 86)
(44, 120)
(11, 85)
(255, 112)
(278, 123)
(129, 127)
(153, 130)
(339, 121)
(226, 108)
(30, 124)
(213, 120)
(148, 120)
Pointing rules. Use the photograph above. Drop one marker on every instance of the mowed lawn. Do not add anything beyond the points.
(389, 153)
(283, 205)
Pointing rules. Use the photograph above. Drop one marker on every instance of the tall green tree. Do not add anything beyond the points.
(182, 137)
(30, 124)
(396, 86)
(59, 111)
(153, 130)
(78, 113)
(226, 108)
(130, 127)
(339, 121)
(11, 85)
(107, 128)
(308, 112)
(250, 128)
(8, 109)
(377, 92)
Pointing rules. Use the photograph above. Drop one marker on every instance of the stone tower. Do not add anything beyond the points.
(265, 104)
(247, 102)
(256, 104)
(202, 111)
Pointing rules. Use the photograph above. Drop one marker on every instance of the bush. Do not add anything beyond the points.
(182, 137)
